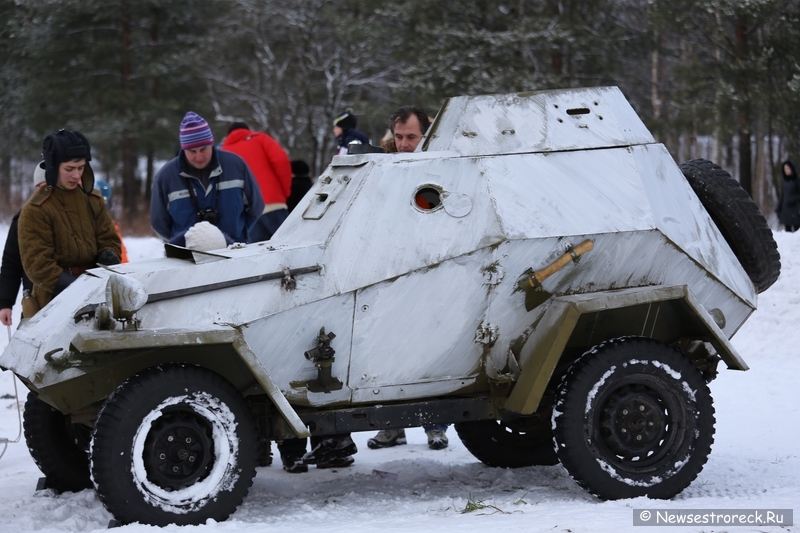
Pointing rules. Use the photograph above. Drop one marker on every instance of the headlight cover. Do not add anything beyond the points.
(124, 296)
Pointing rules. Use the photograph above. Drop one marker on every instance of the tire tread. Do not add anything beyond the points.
(739, 220)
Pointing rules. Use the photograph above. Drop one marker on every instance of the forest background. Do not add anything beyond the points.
(718, 79)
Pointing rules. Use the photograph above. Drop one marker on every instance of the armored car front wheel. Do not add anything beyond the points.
(633, 417)
(174, 445)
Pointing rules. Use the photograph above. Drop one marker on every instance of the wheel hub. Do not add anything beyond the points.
(178, 450)
(635, 425)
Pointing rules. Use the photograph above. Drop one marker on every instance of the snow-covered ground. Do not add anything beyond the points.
(754, 463)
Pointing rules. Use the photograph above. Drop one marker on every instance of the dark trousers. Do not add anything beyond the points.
(266, 226)
(292, 448)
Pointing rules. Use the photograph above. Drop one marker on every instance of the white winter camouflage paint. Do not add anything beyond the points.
(425, 302)
(548, 181)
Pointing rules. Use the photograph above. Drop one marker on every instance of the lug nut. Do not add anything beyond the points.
(175, 469)
(624, 411)
(624, 430)
(162, 456)
(191, 458)
(638, 437)
(188, 440)
(170, 438)
(641, 407)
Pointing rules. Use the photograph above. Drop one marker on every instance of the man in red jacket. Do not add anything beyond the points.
(270, 165)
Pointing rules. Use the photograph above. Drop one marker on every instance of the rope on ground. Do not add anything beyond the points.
(4, 441)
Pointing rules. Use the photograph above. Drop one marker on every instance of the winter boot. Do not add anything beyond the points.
(292, 451)
(294, 465)
(340, 462)
(437, 440)
(328, 448)
(386, 438)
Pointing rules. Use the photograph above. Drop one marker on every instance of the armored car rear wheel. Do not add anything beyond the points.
(174, 445)
(633, 417)
(525, 442)
(58, 447)
(739, 220)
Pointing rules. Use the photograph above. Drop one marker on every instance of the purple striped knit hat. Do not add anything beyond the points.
(195, 132)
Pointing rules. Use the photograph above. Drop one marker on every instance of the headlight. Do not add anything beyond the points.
(124, 296)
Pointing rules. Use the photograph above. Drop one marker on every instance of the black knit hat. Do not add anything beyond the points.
(241, 125)
(346, 120)
(63, 146)
(300, 168)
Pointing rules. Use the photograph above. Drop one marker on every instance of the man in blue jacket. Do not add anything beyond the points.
(204, 184)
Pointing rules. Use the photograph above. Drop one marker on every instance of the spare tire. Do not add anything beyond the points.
(739, 220)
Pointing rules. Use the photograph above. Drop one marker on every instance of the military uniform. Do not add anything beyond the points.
(62, 232)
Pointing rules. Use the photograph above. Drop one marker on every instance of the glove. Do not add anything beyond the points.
(64, 281)
(107, 257)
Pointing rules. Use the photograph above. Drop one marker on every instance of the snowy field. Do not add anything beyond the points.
(754, 463)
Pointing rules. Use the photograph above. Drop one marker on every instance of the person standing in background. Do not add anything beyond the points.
(269, 163)
(11, 271)
(344, 128)
(203, 184)
(788, 208)
(408, 126)
(301, 183)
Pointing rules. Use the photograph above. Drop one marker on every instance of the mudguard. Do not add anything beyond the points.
(90, 346)
(542, 351)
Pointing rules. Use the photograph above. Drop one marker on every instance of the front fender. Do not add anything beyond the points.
(664, 313)
(108, 358)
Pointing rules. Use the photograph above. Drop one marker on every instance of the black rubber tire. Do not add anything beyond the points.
(58, 447)
(633, 417)
(739, 220)
(155, 440)
(526, 442)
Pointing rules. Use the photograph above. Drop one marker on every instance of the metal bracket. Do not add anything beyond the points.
(288, 282)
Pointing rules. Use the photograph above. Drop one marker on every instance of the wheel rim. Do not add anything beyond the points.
(638, 426)
(180, 449)
(199, 414)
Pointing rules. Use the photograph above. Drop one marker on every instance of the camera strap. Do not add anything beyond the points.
(193, 195)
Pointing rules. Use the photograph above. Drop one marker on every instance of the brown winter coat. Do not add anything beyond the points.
(61, 230)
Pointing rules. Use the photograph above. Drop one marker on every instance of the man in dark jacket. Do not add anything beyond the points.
(11, 272)
(204, 184)
(788, 207)
(344, 127)
(301, 183)
(408, 126)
